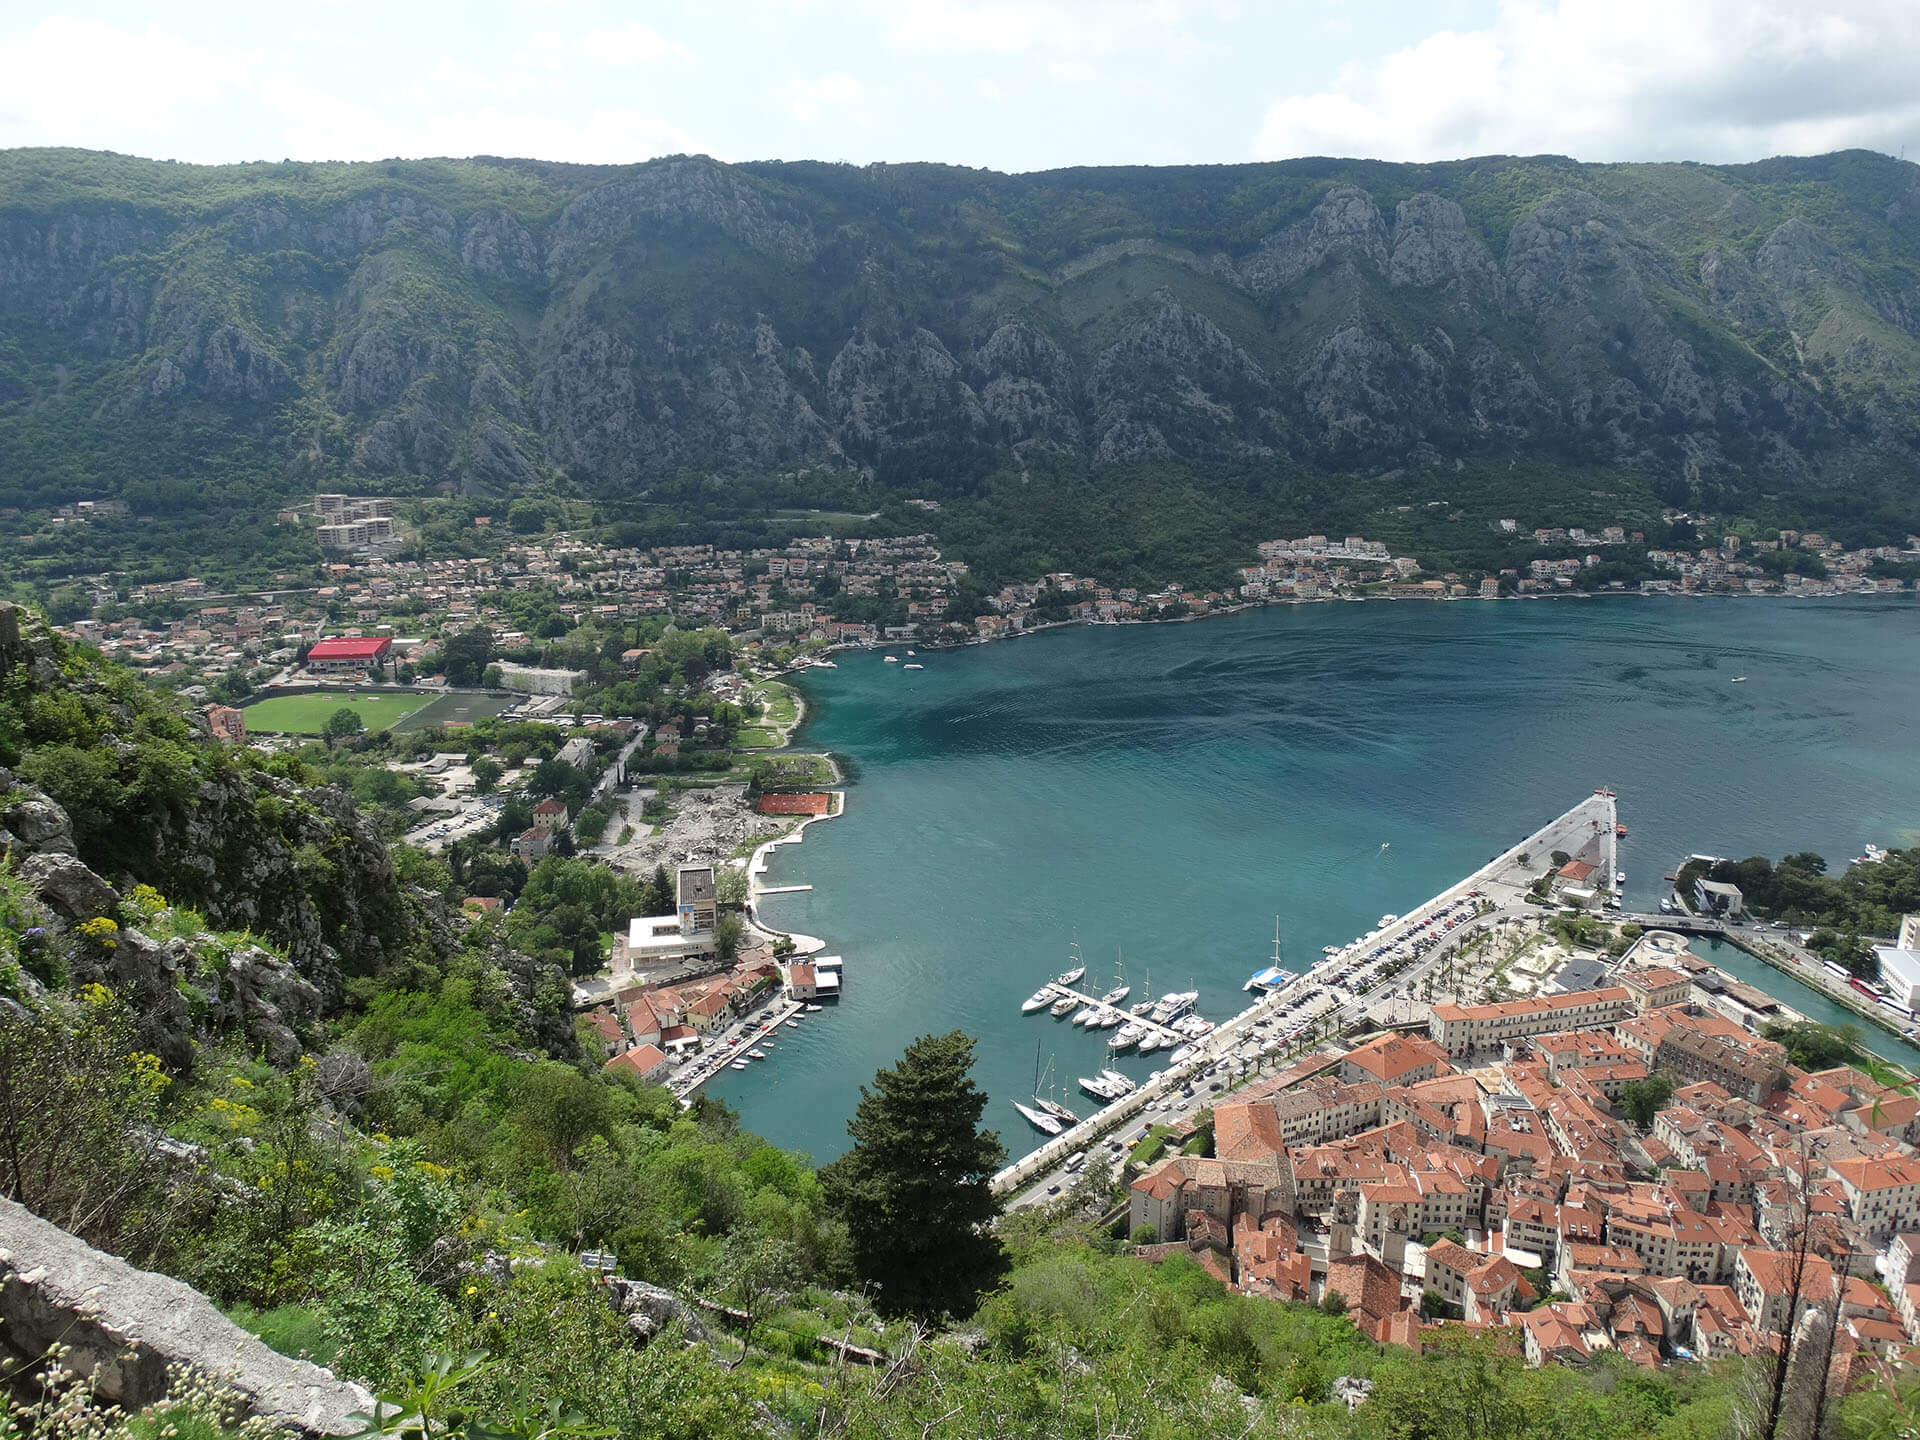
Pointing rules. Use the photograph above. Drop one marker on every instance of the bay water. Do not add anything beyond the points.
(1160, 794)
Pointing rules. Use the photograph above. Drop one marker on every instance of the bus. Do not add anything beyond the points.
(1835, 968)
(1894, 1005)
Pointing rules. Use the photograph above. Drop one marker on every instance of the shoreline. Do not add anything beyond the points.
(802, 665)
(757, 869)
(758, 860)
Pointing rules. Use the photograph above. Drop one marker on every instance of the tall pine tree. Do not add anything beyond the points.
(915, 1189)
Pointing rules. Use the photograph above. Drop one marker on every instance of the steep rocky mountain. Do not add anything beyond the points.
(185, 334)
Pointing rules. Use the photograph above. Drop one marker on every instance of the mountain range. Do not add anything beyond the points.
(196, 336)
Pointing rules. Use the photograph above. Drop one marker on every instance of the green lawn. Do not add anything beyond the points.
(781, 708)
(757, 737)
(306, 714)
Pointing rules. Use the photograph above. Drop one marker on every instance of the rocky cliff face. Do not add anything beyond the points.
(247, 851)
(490, 327)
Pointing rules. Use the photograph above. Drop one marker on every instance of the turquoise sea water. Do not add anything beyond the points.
(1168, 790)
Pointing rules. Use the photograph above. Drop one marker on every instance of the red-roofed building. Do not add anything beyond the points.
(226, 723)
(649, 1062)
(1393, 1060)
(802, 981)
(342, 654)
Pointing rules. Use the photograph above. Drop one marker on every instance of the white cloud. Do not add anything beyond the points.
(323, 126)
(631, 44)
(70, 81)
(1057, 27)
(810, 99)
(1625, 79)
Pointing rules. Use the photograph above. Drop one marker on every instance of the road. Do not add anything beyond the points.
(1502, 881)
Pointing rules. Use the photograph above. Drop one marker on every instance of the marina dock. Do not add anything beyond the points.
(1166, 1034)
(1594, 819)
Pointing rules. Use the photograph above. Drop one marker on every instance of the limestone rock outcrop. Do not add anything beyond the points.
(128, 1328)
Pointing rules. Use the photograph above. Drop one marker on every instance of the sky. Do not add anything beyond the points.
(1007, 84)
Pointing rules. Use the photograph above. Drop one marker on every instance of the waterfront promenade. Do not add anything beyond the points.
(1502, 880)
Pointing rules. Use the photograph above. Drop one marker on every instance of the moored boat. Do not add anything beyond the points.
(1064, 1006)
(1039, 1119)
(1039, 1000)
(1056, 1109)
(1127, 1036)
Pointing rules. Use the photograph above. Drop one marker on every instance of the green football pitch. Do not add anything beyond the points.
(307, 714)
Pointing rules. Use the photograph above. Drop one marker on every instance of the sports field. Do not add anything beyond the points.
(457, 706)
(307, 714)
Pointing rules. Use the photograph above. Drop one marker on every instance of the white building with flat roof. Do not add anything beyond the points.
(1900, 972)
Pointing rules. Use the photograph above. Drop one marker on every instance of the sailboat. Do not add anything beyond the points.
(1079, 967)
(1274, 977)
(1042, 1120)
(1050, 1103)
(1120, 989)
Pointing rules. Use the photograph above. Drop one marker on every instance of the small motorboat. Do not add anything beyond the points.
(1039, 1000)
(1064, 1006)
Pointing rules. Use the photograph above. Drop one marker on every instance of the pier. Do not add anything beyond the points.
(1166, 1034)
(1504, 877)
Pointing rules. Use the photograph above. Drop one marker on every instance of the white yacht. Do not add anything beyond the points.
(1070, 977)
(1127, 1036)
(1056, 1109)
(913, 665)
(893, 659)
(1150, 1042)
(1116, 995)
(1039, 1119)
(1086, 1014)
(1100, 1087)
(1115, 1078)
(1063, 1006)
(1039, 1000)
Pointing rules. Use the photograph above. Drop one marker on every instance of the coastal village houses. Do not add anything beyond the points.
(1466, 1175)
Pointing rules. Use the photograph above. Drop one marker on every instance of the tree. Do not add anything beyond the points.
(756, 1274)
(486, 774)
(915, 1191)
(467, 655)
(1333, 1303)
(1643, 1099)
(727, 930)
(341, 725)
(589, 826)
